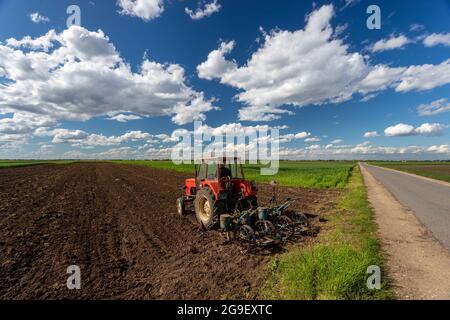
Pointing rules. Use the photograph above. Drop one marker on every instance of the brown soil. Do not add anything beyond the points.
(119, 224)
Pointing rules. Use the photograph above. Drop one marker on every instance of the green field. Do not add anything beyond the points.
(25, 163)
(314, 174)
(439, 170)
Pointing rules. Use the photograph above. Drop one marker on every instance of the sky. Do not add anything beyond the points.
(134, 72)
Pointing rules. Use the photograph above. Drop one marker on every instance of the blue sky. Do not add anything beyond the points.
(383, 94)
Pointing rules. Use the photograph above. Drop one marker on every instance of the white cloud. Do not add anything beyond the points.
(84, 77)
(337, 141)
(424, 77)
(371, 134)
(367, 151)
(310, 66)
(79, 138)
(400, 129)
(24, 123)
(70, 136)
(444, 148)
(41, 43)
(206, 11)
(394, 42)
(313, 147)
(193, 111)
(216, 64)
(434, 108)
(349, 3)
(37, 18)
(144, 9)
(124, 117)
(404, 79)
(302, 135)
(430, 129)
(294, 68)
(426, 129)
(437, 39)
(416, 27)
(313, 139)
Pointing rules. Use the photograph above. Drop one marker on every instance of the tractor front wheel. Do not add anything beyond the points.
(204, 208)
(181, 207)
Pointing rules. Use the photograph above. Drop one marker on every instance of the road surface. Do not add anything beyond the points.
(429, 200)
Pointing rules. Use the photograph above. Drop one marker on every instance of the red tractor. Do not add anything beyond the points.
(219, 187)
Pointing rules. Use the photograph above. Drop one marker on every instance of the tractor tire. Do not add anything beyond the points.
(205, 209)
(181, 207)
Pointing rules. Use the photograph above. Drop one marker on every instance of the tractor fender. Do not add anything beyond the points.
(214, 186)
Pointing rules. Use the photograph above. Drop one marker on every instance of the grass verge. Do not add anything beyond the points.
(335, 267)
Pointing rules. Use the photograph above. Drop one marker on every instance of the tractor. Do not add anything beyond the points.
(219, 187)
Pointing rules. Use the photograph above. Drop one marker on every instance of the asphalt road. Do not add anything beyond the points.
(430, 201)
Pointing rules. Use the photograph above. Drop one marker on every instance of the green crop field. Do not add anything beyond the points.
(315, 174)
(439, 170)
(25, 163)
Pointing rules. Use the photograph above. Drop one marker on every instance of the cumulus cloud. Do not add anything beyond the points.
(362, 151)
(216, 64)
(366, 151)
(44, 42)
(80, 138)
(437, 39)
(37, 18)
(310, 66)
(371, 134)
(124, 117)
(205, 11)
(434, 108)
(313, 139)
(394, 42)
(430, 129)
(193, 111)
(426, 129)
(302, 135)
(295, 68)
(400, 129)
(145, 9)
(24, 123)
(83, 76)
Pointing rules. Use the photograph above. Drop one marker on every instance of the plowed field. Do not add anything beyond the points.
(119, 224)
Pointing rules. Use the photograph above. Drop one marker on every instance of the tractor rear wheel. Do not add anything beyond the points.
(181, 207)
(204, 208)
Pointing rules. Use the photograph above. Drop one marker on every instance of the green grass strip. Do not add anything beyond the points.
(334, 268)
